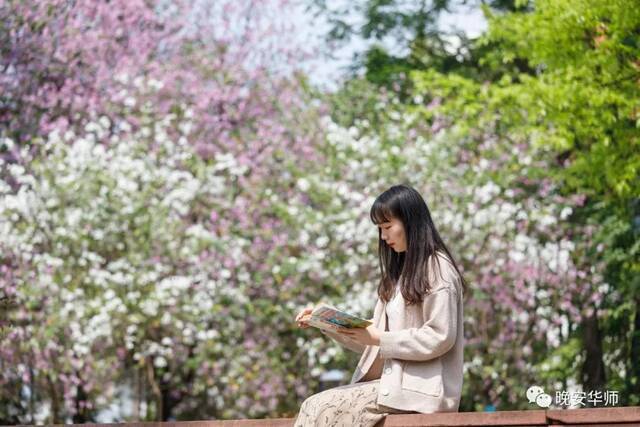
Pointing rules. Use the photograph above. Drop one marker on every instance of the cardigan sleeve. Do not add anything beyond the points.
(351, 345)
(431, 340)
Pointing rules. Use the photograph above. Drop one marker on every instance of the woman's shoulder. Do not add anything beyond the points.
(445, 274)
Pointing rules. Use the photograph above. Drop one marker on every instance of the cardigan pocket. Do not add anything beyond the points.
(423, 377)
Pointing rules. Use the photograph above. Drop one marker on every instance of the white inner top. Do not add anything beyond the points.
(394, 308)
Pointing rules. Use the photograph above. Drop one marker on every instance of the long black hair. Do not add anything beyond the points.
(404, 203)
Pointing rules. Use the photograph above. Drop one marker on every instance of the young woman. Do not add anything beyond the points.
(412, 354)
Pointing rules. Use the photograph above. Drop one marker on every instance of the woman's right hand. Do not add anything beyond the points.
(300, 317)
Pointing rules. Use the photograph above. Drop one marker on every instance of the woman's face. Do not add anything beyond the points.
(393, 234)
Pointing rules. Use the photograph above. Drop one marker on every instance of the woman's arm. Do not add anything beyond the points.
(434, 338)
(351, 345)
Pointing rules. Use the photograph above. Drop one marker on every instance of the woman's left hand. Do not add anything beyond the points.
(365, 336)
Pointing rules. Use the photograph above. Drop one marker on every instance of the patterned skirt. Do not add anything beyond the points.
(349, 405)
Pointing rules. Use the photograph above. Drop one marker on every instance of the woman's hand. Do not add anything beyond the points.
(365, 336)
(300, 317)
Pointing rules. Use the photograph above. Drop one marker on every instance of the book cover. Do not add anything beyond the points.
(330, 318)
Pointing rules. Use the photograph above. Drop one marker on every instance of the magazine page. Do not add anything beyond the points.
(327, 317)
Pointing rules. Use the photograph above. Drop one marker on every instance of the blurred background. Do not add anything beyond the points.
(181, 177)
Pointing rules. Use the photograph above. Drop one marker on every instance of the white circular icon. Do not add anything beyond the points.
(533, 392)
(543, 400)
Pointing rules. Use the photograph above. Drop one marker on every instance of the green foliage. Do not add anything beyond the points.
(584, 99)
(567, 78)
(560, 363)
(406, 36)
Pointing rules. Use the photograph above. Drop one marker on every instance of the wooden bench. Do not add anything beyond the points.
(587, 417)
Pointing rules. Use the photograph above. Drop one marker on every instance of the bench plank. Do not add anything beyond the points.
(583, 417)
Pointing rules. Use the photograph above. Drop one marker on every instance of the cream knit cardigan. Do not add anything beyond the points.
(423, 361)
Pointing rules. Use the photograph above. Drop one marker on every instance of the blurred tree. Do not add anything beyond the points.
(404, 36)
(581, 103)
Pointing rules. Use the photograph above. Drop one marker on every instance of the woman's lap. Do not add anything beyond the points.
(347, 405)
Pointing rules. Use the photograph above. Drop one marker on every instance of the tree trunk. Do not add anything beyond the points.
(593, 374)
(55, 407)
(633, 378)
(155, 389)
(137, 386)
(167, 403)
(81, 416)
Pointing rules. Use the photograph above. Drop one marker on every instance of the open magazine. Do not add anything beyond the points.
(330, 318)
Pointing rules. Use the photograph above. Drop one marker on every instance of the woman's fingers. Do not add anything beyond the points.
(304, 312)
(300, 318)
(302, 323)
